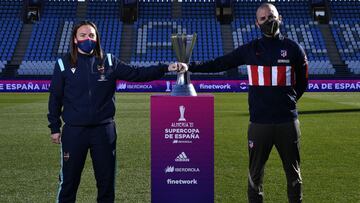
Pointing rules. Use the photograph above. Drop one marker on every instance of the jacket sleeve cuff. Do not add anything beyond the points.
(165, 68)
(191, 66)
(55, 130)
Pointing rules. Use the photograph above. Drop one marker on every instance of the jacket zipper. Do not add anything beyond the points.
(89, 91)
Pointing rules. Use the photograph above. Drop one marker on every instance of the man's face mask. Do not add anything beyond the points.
(86, 45)
(270, 27)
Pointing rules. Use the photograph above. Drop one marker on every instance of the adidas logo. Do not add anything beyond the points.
(182, 158)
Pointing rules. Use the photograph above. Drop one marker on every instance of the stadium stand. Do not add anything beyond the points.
(156, 22)
(103, 9)
(195, 9)
(153, 28)
(297, 25)
(154, 42)
(107, 18)
(58, 20)
(154, 31)
(154, 9)
(10, 27)
(345, 27)
(50, 38)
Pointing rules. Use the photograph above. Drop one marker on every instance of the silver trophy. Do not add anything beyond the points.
(183, 46)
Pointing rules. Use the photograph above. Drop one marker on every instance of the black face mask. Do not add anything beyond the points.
(270, 27)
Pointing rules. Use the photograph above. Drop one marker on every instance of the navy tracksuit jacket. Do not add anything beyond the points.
(277, 72)
(87, 107)
(85, 100)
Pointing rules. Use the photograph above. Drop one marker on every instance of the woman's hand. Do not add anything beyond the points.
(56, 138)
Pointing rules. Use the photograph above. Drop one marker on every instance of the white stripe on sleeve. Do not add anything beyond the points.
(288, 75)
(249, 74)
(274, 74)
(261, 75)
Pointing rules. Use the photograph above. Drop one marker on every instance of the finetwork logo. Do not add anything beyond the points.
(182, 158)
(181, 182)
(215, 87)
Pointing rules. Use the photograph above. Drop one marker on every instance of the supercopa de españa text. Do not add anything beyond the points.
(182, 130)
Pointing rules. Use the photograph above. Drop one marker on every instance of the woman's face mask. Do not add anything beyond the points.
(87, 45)
(86, 38)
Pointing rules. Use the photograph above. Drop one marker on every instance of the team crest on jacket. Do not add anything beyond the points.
(283, 53)
(66, 156)
(251, 144)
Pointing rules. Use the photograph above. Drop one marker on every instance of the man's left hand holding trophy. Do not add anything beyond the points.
(178, 67)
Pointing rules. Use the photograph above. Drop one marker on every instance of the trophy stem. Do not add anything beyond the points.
(183, 78)
(183, 86)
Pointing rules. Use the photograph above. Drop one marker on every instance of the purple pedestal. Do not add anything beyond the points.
(182, 149)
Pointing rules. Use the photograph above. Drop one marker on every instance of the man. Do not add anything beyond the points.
(277, 71)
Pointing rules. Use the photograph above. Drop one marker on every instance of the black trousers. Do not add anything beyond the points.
(286, 138)
(76, 141)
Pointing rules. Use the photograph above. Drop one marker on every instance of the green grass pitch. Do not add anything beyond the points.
(330, 150)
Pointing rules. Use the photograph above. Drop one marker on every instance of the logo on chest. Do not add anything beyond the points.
(283, 54)
(73, 70)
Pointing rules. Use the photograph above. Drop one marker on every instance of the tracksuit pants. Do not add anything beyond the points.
(286, 138)
(76, 141)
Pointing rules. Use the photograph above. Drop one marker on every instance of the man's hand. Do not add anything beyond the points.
(182, 67)
(178, 67)
(56, 138)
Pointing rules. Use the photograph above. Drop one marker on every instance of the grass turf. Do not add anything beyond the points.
(330, 124)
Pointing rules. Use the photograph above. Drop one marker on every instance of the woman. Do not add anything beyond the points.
(82, 93)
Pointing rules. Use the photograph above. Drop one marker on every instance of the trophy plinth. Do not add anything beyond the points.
(183, 46)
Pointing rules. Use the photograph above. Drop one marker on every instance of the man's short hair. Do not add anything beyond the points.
(266, 5)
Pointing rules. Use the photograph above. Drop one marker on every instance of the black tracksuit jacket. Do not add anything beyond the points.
(278, 76)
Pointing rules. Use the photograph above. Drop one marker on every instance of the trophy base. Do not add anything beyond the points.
(183, 90)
